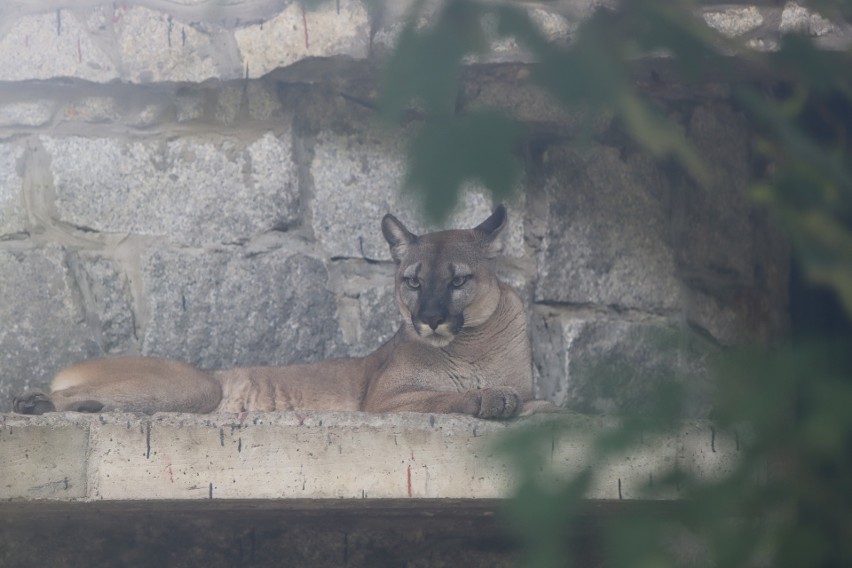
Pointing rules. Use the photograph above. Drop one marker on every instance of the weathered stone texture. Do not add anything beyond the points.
(798, 19)
(195, 189)
(52, 44)
(716, 235)
(601, 365)
(148, 40)
(220, 310)
(26, 113)
(13, 217)
(107, 301)
(607, 241)
(91, 109)
(42, 326)
(623, 233)
(296, 33)
(734, 21)
(731, 258)
(154, 46)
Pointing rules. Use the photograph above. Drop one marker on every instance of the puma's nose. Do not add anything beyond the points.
(432, 319)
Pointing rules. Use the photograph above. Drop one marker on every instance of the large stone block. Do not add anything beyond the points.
(359, 177)
(92, 110)
(798, 19)
(193, 190)
(154, 46)
(597, 365)
(732, 259)
(27, 113)
(253, 98)
(107, 301)
(607, 240)
(733, 21)
(42, 326)
(298, 33)
(219, 310)
(715, 232)
(622, 233)
(53, 44)
(13, 215)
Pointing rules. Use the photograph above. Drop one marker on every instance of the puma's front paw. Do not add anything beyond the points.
(497, 402)
(32, 402)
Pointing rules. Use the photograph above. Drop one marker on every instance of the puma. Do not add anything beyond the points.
(462, 348)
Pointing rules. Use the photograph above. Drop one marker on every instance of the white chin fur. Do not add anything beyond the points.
(438, 340)
(440, 337)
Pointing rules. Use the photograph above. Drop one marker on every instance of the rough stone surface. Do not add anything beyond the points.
(153, 46)
(296, 33)
(30, 113)
(44, 327)
(607, 236)
(146, 41)
(13, 217)
(107, 301)
(221, 310)
(255, 99)
(716, 236)
(602, 365)
(195, 190)
(52, 44)
(798, 19)
(734, 21)
(734, 274)
(91, 109)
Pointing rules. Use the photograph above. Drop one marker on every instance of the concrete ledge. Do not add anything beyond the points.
(314, 456)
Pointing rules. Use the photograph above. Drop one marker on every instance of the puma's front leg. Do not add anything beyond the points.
(496, 402)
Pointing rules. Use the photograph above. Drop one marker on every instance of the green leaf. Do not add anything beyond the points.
(423, 69)
(447, 153)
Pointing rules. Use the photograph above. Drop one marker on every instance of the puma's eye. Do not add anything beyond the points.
(459, 281)
(413, 283)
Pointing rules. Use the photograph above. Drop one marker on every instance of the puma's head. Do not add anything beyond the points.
(445, 281)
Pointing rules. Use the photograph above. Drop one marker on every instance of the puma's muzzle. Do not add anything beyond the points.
(438, 330)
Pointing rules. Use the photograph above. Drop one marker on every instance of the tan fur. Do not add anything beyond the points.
(462, 348)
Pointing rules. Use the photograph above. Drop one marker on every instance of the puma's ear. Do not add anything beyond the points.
(397, 236)
(490, 228)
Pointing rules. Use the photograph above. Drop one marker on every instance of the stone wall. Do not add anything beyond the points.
(205, 181)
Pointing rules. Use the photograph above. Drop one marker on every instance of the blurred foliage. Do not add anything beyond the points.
(788, 501)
